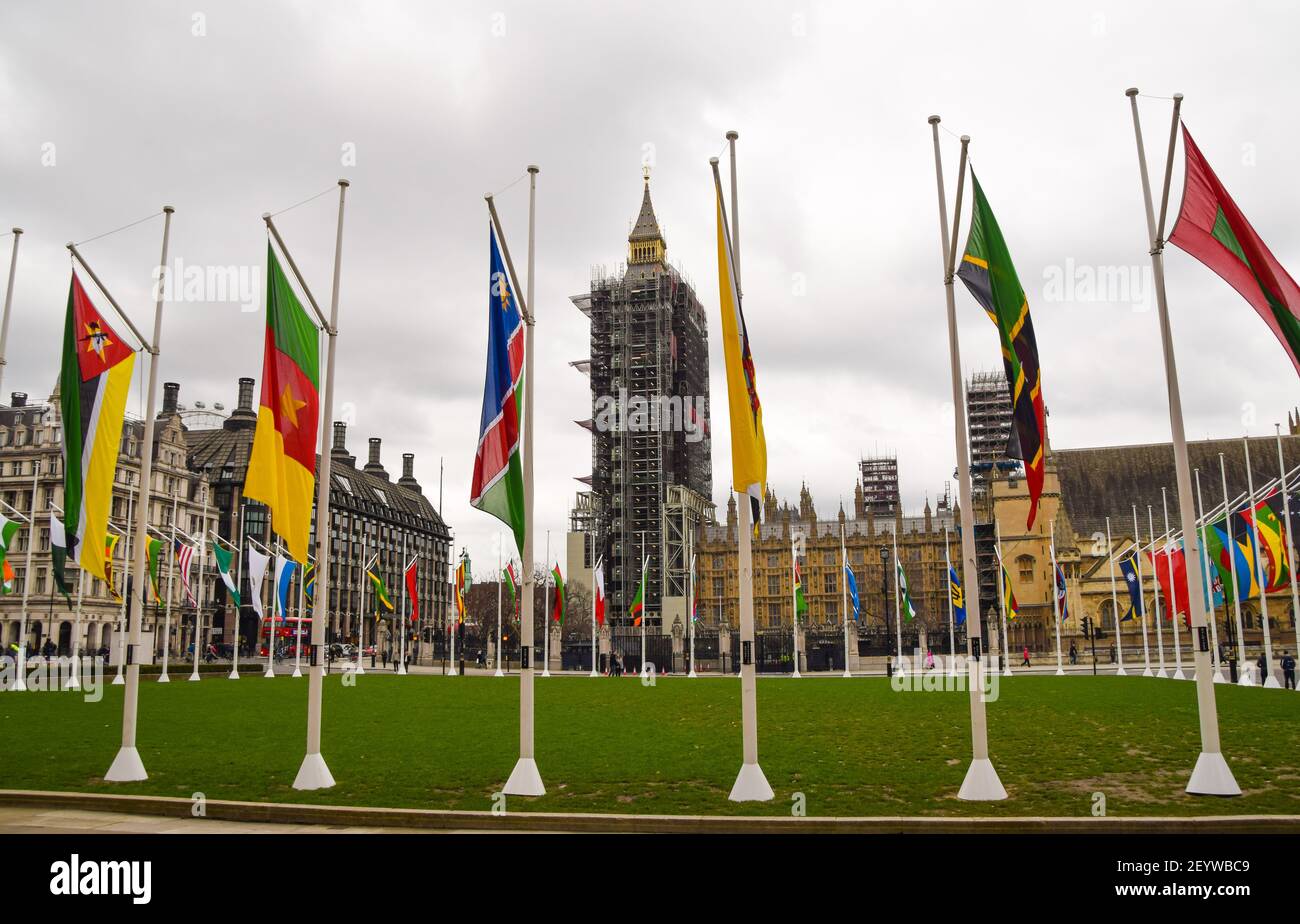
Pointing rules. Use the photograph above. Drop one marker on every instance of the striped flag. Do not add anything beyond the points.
(93, 386)
(852, 583)
(185, 555)
(907, 608)
(411, 576)
(600, 591)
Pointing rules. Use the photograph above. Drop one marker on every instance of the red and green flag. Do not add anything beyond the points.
(508, 572)
(637, 609)
(1212, 229)
(990, 276)
(282, 463)
(557, 603)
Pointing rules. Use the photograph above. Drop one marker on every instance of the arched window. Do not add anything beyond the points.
(1025, 566)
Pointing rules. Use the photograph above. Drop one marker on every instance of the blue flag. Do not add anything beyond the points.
(1128, 567)
(284, 569)
(1060, 594)
(852, 583)
(958, 597)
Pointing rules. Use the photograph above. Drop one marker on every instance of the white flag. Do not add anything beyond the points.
(257, 563)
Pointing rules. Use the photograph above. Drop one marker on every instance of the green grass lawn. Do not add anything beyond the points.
(852, 747)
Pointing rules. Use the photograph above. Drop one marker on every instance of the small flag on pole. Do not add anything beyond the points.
(1061, 595)
(225, 560)
(1128, 568)
(852, 582)
(958, 597)
(800, 599)
(557, 601)
(284, 569)
(1009, 595)
(907, 608)
(600, 591)
(411, 575)
(637, 609)
(184, 555)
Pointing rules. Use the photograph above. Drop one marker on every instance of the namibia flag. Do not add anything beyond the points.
(988, 273)
(282, 464)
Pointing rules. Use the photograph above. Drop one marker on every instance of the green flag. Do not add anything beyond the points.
(906, 608)
(153, 549)
(800, 598)
(59, 557)
(225, 557)
(8, 529)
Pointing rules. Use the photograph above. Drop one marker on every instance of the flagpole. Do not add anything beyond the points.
(898, 616)
(1004, 575)
(644, 617)
(952, 619)
(1290, 549)
(1114, 603)
(20, 684)
(794, 602)
(1137, 560)
(1056, 597)
(1243, 679)
(1171, 601)
(497, 657)
(313, 773)
(360, 669)
(751, 784)
(595, 567)
(1267, 680)
(275, 605)
(1155, 582)
(9, 299)
(302, 608)
(127, 765)
(1211, 775)
(74, 682)
(406, 605)
(981, 782)
(198, 603)
(455, 626)
(120, 641)
(171, 572)
(546, 610)
(240, 552)
(844, 597)
(1209, 583)
(691, 615)
(525, 779)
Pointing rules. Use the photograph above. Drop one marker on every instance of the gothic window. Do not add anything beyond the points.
(1025, 566)
(829, 584)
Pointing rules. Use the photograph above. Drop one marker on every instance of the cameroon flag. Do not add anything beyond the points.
(282, 465)
(93, 386)
(990, 276)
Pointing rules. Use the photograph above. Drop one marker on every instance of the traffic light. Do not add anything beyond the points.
(1086, 625)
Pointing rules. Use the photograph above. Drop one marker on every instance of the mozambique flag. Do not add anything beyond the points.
(153, 549)
(498, 482)
(1212, 229)
(906, 607)
(1009, 596)
(800, 598)
(557, 605)
(637, 609)
(93, 386)
(110, 544)
(990, 276)
(282, 465)
(748, 443)
(377, 585)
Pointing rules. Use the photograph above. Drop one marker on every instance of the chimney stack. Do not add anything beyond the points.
(374, 466)
(408, 473)
(245, 394)
(18, 399)
(171, 397)
(339, 452)
(243, 417)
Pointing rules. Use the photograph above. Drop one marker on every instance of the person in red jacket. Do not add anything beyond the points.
(1025, 663)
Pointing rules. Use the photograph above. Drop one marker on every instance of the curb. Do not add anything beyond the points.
(577, 823)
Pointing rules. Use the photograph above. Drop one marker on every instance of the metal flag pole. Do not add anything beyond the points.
(360, 669)
(1267, 680)
(275, 611)
(406, 606)
(127, 580)
(844, 597)
(1171, 602)
(314, 773)
(1211, 775)
(691, 614)
(751, 784)
(1243, 679)
(1114, 603)
(19, 685)
(167, 620)
(1208, 589)
(302, 608)
(127, 765)
(241, 551)
(74, 680)
(644, 617)
(546, 610)
(1137, 560)
(898, 615)
(596, 566)
(497, 657)
(1290, 548)
(981, 782)
(9, 299)
(794, 601)
(1056, 600)
(1155, 584)
(952, 619)
(525, 779)
(1003, 576)
(450, 669)
(198, 601)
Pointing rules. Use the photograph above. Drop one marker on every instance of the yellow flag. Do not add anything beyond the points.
(748, 445)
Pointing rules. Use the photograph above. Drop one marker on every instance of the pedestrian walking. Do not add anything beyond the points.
(1025, 662)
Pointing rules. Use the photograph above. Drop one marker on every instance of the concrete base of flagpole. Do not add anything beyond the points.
(499, 673)
(117, 682)
(163, 678)
(233, 675)
(595, 674)
(296, 672)
(1179, 675)
(1211, 777)
(982, 783)
(1218, 676)
(270, 671)
(1060, 672)
(546, 672)
(1121, 672)
(127, 767)
(847, 673)
(1271, 683)
(1162, 674)
(313, 774)
(194, 676)
(796, 675)
(401, 669)
(451, 670)
(525, 779)
(1006, 671)
(1147, 672)
(751, 785)
(72, 683)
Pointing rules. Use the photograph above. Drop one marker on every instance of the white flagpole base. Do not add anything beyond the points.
(1060, 671)
(796, 675)
(751, 785)
(1218, 676)
(1006, 671)
(127, 767)
(194, 676)
(117, 681)
(1179, 675)
(359, 669)
(594, 674)
(18, 685)
(72, 683)
(1121, 672)
(313, 774)
(401, 669)
(501, 673)
(1271, 683)
(546, 673)
(268, 672)
(845, 674)
(451, 671)
(233, 675)
(1162, 674)
(982, 783)
(296, 673)
(1211, 777)
(1148, 672)
(525, 780)
(163, 678)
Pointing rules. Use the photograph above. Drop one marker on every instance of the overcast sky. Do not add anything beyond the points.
(227, 110)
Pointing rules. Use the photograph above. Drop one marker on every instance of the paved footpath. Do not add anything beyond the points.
(33, 820)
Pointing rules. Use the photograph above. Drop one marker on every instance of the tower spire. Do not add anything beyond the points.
(646, 242)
